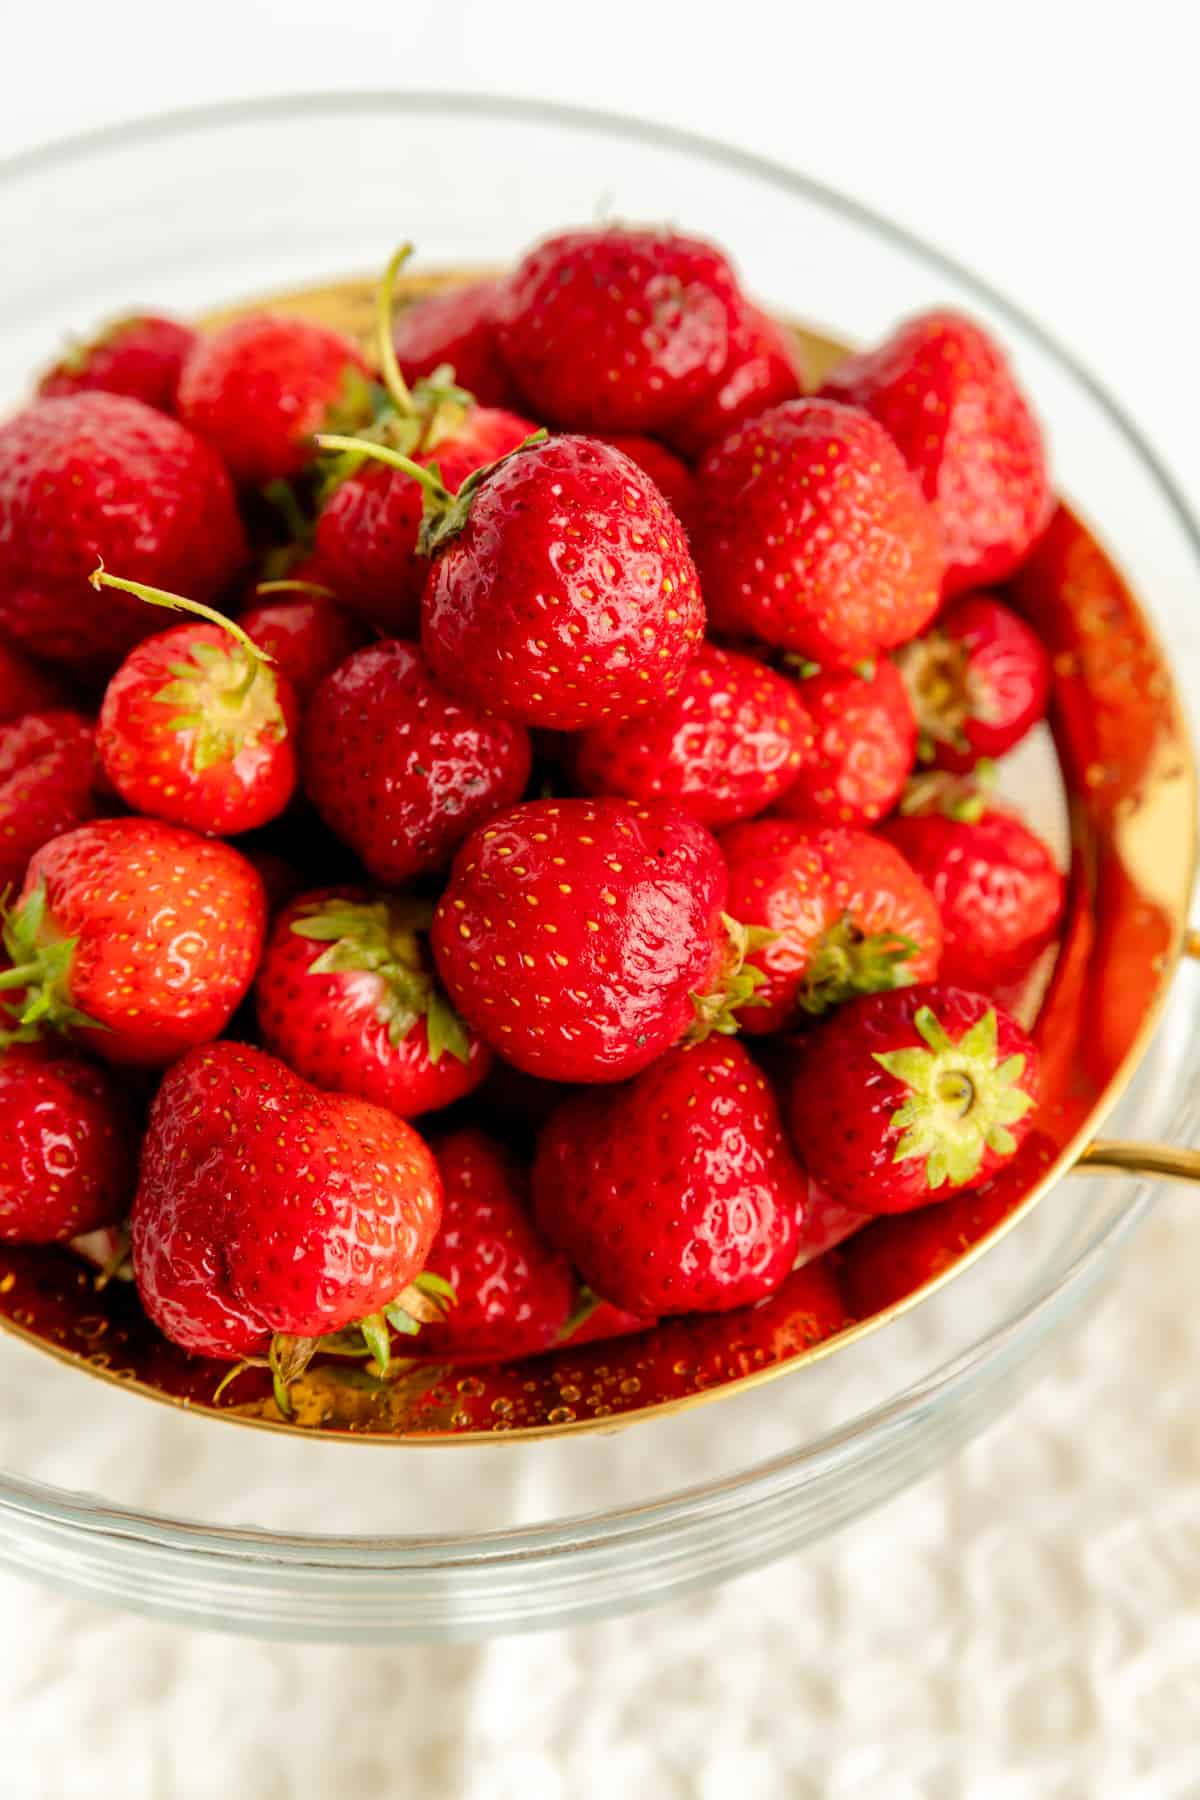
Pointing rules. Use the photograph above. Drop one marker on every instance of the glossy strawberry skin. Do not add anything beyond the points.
(678, 1192)
(92, 477)
(673, 479)
(998, 889)
(513, 1292)
(605, 1321)
(267, 1206)
(569, 596)
(943, 390)
(307, 635)
(724, 746)
(258, 388)
(573, 933)
(814, 537)
(613, 329)
(26, 686)
(47, 784)
(168, 929)
(809, 884)
(66, 1147)
(864, 749)
(763, 370)
(399, 768)
(979, 681)
(366, 539)
(456, 326)
(140, 357)
(332, 1028)
(157, 765)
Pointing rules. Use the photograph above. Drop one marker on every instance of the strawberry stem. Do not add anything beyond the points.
(283, 586)
(385, 304)
(154, 596)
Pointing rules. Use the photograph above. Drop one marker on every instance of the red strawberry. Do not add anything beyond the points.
(997, 887)
(824, 1223)
(455, 327)
(943, 390)
(513, 1293)
(599, 1320)
(93, 477)
(814, 536)
(845, 912)
(902, 1098)
(25, 686)
(268, 1210)
(865, 748)
(140, 356)
(676, 1193)
(137, 936)
(347, 997)
(66, 1147)
(47, 771)
(196, 727)
(978, 681)
(400, 769)
(673, 479)
(582, 938)
(724, 746)
(612, 329)
(306, 634)
(763, 370)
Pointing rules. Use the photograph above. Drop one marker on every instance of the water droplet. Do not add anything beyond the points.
(471, 1386)
(91, 1326)
(100, 1359)
(502, 1405)
(461, 1417)
(560, 1415)
(568, 1391)
(682, 1368)
(631, 1385)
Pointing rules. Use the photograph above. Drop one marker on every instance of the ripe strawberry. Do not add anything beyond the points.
(763, 370)
(997, 887)
(864, 750)
(824, 1223)
(943, 390)
(347, 997)
(66, 1147)
(902, 1098)
(270, 1215)
(673, 479)
(305, 633)
(258, 389)
(400, 769)
(724, 746)
(47, 771)
(978, 681)
(582, 938)
(195, 726)
(455, 327)
(98, 476)
(613, 329)
(813, 535)
(140, 356)
(676, 1193)
(599, 1321)
(845, 913)
(25, 686)
(137, 937)
(513, 1293)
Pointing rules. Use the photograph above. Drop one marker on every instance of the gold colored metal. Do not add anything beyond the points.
(1128, 769)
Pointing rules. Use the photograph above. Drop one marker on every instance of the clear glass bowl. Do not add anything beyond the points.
(148, 1507)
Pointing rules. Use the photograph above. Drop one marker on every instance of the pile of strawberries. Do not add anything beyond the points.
(575, 740)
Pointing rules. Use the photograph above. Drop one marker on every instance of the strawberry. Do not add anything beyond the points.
(595, 1321)
(763, 370)
(196, 727)
(617, 329)
(140, 356)
(138, 937)
(66, 1147)
(824, 1223)
(842, 914)
(997, 888)
(347, 997)
(727, 744)
(864, 750)
(943, 390)
(399, 768)
(676, 1193)
(673, 479)
(904, 1097)
(99, 476)
(978, 681)
(258, 389)
(455, 327)
(270, 1215)
(814, 537)
(582, 938)
(513, 1293)
(303, 630)
(899, 1252)
(47, 771)
(25, 686)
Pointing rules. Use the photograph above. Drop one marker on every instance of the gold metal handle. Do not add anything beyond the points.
(1164, 1160)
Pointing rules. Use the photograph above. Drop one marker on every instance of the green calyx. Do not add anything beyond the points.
(41, 967)
(737, 983)
(846, 964)
(963, 798)
(383, 938)
(961, 1101)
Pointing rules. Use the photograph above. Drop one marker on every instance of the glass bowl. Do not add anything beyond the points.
(299, 1536)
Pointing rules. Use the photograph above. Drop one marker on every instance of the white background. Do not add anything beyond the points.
(1026, 1623)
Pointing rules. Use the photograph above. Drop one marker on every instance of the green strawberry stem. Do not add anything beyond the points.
(155, 596)
(286, 586)
(385, 305)
(846, 963)
(586, 1303)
